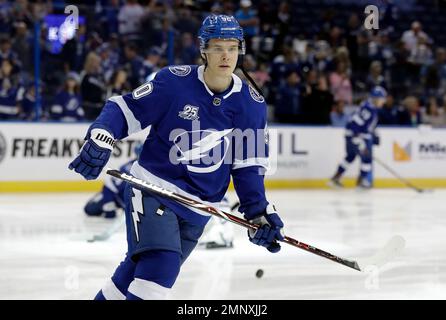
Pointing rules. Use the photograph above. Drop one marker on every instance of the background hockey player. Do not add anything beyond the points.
(196, 113)
(360, 137)
(111, 198)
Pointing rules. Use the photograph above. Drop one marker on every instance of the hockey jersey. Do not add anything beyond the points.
(363, 121)
(198, 138)
(66, 107)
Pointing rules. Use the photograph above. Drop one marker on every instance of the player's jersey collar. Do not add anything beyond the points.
(237, 87)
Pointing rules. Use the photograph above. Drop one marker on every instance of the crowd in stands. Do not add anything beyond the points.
(313, 60)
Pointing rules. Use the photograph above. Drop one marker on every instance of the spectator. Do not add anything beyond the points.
(93, 88)
(281, 65)
(11, 93)
(363, 55)
(375, 77)
(434, 114)
(186, 22)
(7, 53)
(261, 75)
(74, 51)
(388, 114)
(353, 29)
(28, 105)
(433, 75)
(283, 20)
(188, 52)
(129, 18)
(109, 60)
(400, 71)
(335, 37)
(152, 63)
(288, 106)
(67, 103)
(118, 84)
(415, 42)
(340, 84)
(110, 20)
(6, 17)
(338, 116)
(412, 37)
(321, 56)
(318, 103)
(155, 22)
(134, 65)
(21, 44)
(410, 114)
(247, 17)
(421, 54)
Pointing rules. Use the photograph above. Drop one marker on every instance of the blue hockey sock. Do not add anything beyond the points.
(155, 273)
(116, 287)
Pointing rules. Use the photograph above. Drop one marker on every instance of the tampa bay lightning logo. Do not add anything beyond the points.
(202, 151)
(180, 71)
(255, 95)
(2, 147)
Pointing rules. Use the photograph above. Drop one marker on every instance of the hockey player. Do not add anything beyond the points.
(197, 114)
(360, 137)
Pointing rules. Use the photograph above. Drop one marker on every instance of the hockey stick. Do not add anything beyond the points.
(407, 183)
(106, 234)
(393, 246)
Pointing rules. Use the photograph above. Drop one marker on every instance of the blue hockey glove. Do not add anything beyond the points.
(270, 230)
(94, 154)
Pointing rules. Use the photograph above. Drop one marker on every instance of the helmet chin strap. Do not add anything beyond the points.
(248, 77)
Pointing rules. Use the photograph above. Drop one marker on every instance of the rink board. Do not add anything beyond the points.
(35, 156)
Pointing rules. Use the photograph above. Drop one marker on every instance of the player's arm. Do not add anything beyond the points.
(360, 122)
(248, 171)
(121, 117)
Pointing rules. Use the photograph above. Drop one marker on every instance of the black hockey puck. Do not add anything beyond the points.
(259, 273)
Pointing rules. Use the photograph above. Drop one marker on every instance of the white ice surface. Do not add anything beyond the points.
(44, 255)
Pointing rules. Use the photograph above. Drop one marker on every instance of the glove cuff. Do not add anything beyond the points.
(102, 138)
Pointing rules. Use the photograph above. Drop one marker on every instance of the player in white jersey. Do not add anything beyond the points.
(207, 126)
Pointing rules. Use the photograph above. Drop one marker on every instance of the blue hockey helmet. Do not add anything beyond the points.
(378, 92)
(220, 27)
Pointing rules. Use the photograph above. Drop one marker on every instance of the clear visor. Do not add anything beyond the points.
(221, 50)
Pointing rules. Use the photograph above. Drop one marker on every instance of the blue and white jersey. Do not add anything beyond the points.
(67, 107)
(363, 121)
(10, 97)
(198, 138)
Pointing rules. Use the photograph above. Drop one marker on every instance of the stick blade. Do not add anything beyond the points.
(393, 247)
